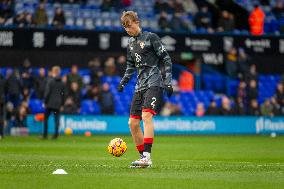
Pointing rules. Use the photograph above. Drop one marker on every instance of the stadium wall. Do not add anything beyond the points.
(165, 125)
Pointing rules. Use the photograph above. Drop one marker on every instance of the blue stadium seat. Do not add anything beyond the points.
(36, 106)
(90, 107)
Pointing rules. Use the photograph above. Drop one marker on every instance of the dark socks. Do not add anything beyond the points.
(148, 144)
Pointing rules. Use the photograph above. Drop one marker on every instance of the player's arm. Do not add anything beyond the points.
(162, 53)
(129, 71)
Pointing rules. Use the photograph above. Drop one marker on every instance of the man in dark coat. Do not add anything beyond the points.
(13, 86)
(53, 100)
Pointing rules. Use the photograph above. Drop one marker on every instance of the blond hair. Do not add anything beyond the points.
(127, 17)
(56, 70)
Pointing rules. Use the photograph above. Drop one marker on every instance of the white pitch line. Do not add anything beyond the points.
(229, 162)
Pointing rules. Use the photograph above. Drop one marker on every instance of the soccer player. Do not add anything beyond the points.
(146, 53)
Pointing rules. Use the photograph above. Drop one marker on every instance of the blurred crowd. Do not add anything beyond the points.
(246, 101)
(20, 85)
(171, 15)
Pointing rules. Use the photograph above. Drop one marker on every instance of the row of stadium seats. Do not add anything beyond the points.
(89, 16)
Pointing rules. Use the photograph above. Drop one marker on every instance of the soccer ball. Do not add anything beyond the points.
(117, 147)
(68, 131)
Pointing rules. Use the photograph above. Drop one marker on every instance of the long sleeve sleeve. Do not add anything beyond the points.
(162, 53)
(130, 69)
(47, 91)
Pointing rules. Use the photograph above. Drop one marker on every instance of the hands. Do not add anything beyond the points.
(169, 90)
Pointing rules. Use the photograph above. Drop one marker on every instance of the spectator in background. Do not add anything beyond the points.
(186, 81)
(171, 6)
(26, 74)
(27, 67)
(40, 83)
(106, 100)
(252, 74)
(241, 93)
(121, 65)
(74, 77)
(212, 109)
(280, 94)
(226, 22)
(69, 107)
(106, 5)
(13, 86)
(252, 90)
(64, 81)
(110, 69)
(163, 22)
(276, 109)
(253, 109)
(243, 61)
(226, 106)
(203, 19)
(190, 7)
(75, 94)
(59, 18)
(19, 20)
(231, 63)
(266, 108)
(29, 20)
(256, 21)
(21, 117)
(264, 2)
(53, 100)
(25, 105)
(160, 6)
(93, 92)
(41, 18)
(2, 21)
(26, 94)
(178, 24)
(179, 6)
(170, 109)
(200, 111)
(239, 108)
(21, 114)
(96, 71)
(278, 10)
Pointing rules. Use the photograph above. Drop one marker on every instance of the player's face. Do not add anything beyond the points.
(132, 28)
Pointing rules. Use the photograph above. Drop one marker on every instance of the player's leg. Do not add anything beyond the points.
(134, 122)
(136, 132)
(147, 118)
(151, 106)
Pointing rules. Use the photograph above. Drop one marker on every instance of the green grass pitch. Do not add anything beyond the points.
(178, 162)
